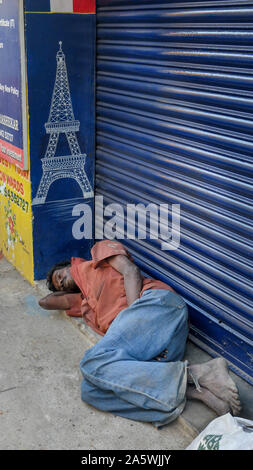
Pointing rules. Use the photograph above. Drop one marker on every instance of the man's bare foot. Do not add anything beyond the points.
(216, 404)
(214, 376)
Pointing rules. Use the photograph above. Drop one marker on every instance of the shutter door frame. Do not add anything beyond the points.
(174, 119)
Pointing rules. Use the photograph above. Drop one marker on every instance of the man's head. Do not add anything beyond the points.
(59, 278)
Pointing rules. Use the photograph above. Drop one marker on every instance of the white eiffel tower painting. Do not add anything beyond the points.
(61, 120)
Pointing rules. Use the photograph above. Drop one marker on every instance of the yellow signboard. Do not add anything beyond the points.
(16, 240)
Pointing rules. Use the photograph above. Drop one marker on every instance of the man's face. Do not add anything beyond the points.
(63, 281)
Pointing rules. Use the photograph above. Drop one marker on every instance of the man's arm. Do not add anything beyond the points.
(131, 274)
(56, 301)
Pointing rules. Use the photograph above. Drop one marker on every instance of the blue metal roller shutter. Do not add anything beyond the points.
(174, 125)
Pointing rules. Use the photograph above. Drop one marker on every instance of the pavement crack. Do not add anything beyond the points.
(7, 389)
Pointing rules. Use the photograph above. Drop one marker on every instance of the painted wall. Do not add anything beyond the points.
(13, 132)
(15, 187)
(60, 42)
(42, 213)
(16, 218)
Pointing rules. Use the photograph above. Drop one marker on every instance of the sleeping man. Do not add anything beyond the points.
(137, 370)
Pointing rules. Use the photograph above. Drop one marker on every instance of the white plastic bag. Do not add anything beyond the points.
(225, 433)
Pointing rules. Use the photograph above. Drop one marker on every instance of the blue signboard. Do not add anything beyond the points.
(12, 84)
(61, 70)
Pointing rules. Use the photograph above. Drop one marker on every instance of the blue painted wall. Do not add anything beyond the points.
(53, 220)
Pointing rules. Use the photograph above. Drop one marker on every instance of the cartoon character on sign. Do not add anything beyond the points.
(10, 226)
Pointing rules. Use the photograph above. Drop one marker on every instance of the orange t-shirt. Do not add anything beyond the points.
(102, 288)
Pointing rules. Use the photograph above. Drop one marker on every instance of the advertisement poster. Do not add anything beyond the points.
(16, 217)
(60, 43)
(13, 146)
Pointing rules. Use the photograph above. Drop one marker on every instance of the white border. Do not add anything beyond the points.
(61, 6)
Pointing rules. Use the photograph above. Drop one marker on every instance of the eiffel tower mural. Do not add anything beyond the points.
(61, 120)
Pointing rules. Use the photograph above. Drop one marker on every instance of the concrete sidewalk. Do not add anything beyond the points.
(40, 404)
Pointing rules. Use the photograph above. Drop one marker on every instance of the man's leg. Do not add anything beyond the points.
(214, 386)
(119, 375)
(153, 323)
(119, 372)
(106, 400)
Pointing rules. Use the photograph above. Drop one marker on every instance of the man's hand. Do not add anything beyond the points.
(131, 274)
(56, 301)
(163, 355)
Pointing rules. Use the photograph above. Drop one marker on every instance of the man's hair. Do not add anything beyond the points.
(50, 273)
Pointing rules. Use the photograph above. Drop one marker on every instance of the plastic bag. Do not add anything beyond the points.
(225, 433)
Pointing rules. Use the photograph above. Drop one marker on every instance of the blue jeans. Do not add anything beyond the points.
(121, 374)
